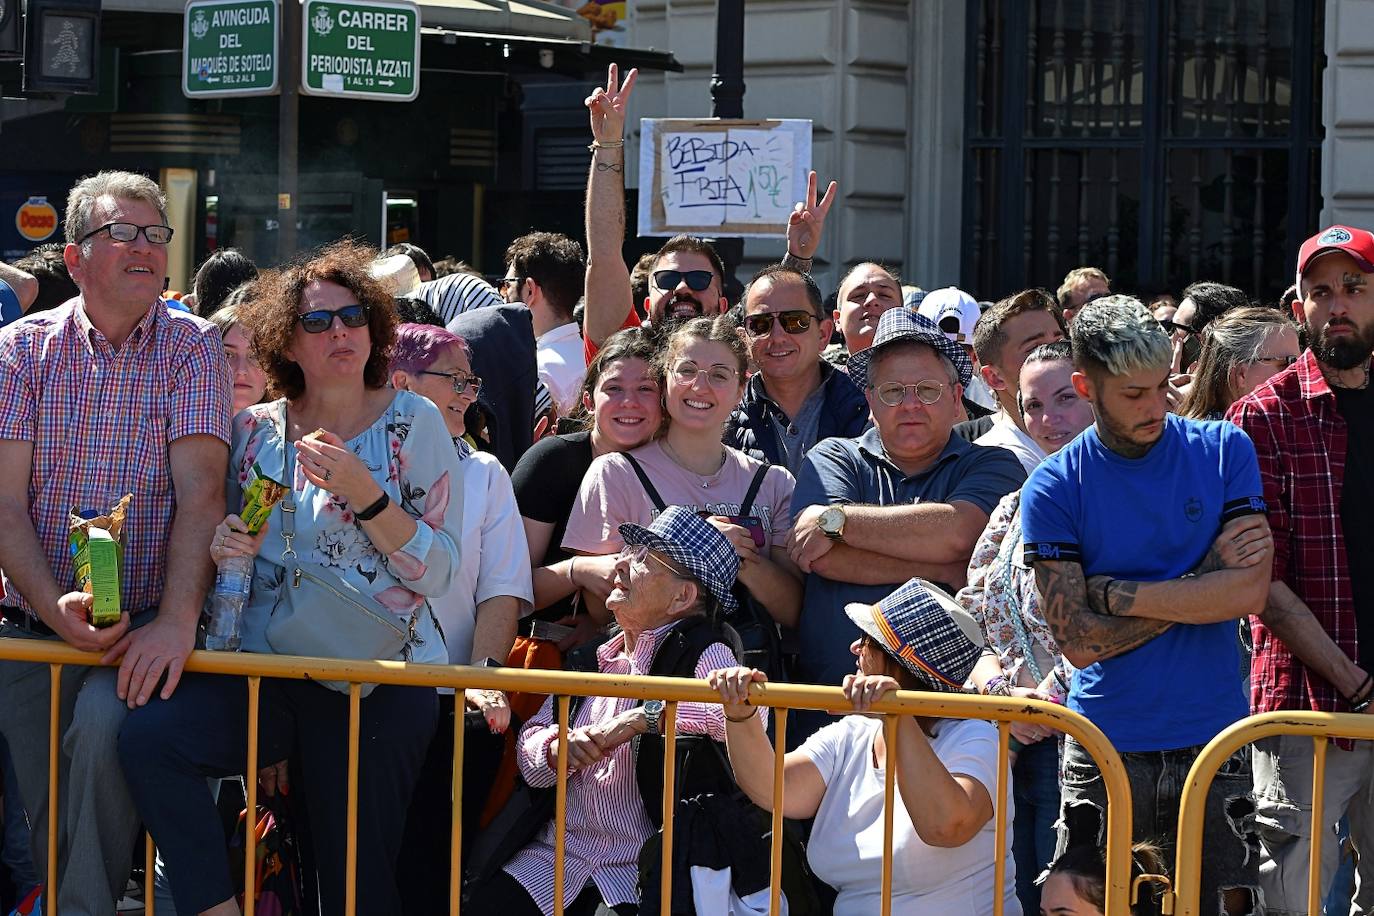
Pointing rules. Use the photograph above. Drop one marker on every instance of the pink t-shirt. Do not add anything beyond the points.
(611, 494)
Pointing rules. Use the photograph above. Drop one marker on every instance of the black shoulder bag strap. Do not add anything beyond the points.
(752, 493)
(657, 500)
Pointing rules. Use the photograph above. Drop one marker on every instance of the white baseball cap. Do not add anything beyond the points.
(955, 311)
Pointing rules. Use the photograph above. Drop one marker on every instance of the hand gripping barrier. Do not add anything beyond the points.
(563, 685)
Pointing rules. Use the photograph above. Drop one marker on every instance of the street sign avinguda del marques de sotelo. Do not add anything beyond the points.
(229, 47)
(367, 49)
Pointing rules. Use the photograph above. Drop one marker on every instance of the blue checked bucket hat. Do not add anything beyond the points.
(692, 543)
(927, 631)
(904, 324)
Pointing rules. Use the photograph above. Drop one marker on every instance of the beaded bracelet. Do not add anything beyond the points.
(605, 144)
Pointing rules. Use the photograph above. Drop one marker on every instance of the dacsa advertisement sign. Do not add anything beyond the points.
(36, 220)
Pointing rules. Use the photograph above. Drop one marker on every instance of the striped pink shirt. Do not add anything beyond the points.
(100, 421)
(606, 820)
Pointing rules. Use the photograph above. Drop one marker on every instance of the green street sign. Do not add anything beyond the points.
(229, 47)
(361, 49)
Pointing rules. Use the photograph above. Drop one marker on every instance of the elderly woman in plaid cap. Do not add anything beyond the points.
(944, 834)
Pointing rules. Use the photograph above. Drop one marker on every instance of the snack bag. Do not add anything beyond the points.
(98, 559)
(261, 494)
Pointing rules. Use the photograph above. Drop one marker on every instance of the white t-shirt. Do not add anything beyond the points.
(846, 846)
(562, 365)
(1006, 434)
(494, 558)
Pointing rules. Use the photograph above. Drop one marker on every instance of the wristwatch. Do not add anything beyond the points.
(653, 714)
(831, 523)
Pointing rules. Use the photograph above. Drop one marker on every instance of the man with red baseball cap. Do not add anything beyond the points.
(1313, 429)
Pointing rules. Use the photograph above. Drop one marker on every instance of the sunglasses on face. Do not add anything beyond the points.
(460, 383)
(794, 321)
(127, 232)
(320, 320)
(1174, 326)
(893, 394)
(696, 279)
(716, 376)
(507, 281)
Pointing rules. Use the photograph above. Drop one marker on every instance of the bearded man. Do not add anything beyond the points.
(1313, 430)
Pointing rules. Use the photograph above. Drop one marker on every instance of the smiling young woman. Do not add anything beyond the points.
(703, 363)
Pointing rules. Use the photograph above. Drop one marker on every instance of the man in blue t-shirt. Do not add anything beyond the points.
(1148, 539)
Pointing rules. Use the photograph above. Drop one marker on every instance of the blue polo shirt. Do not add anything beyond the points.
(1147, 520)
(840, 471)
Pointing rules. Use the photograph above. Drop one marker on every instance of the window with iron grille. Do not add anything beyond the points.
(1164, 141)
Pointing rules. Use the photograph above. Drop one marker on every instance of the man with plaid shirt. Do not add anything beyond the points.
(1313, 429)
(110, 394)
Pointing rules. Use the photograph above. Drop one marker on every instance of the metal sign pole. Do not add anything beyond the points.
(288, 131)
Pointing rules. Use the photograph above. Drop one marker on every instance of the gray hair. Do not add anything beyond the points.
(1119, 335)
(119, 185)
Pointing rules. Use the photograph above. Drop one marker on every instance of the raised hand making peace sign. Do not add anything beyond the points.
(607, 106)
(807, 220)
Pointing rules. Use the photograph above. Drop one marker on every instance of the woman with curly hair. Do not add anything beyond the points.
(376, 486)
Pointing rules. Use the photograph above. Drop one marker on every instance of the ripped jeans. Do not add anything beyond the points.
(1230, 852)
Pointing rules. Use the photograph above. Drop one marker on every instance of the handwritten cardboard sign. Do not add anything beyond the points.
(721, 177)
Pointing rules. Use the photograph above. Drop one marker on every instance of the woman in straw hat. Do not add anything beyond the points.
(943, 846)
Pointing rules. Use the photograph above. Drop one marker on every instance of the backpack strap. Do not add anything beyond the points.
(657, 500)
(753, 491)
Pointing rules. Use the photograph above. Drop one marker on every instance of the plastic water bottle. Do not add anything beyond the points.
(233, 581)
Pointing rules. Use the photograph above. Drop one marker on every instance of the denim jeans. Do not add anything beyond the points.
(1230, 859)
(1035, 788)
(14, 843)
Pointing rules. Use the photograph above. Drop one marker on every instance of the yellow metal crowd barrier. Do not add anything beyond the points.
(563, 685)
(1322, 727)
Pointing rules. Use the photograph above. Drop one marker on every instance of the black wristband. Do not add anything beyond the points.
(372, 511)
(1359, 701)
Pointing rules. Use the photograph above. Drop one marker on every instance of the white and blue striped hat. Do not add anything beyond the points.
(684, 537)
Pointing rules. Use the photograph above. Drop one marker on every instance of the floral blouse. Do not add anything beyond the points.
(1001, 591)
(411, 455)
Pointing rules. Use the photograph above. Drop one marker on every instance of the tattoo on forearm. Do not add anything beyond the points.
(609, 167)
(1210, 563)
(1068, 609)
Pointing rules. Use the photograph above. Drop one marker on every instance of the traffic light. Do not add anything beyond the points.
(62, 46)
(11, 36)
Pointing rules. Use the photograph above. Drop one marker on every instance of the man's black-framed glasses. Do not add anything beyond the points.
(504, 282)
(460, 383)
(697, 280)
(320, 320)
(793, 321)
(127, 232)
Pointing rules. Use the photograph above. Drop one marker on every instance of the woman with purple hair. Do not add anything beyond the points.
(491, 591)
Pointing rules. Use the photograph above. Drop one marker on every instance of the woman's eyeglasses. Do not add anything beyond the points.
(638, 553)
(127, 232)
(1281, 362)
(320, 320)
(793, 321)
(460, 383)
(687, 373)
(894, 393)
(1173, 326)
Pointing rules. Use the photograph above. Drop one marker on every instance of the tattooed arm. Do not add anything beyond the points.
(1083, 635)
(1292, 622)
(1232, 581)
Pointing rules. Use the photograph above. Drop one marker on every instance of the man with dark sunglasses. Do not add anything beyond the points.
(679, 285)
(796, 398)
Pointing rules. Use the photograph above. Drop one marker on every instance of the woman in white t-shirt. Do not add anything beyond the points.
(703, 365)
(944, 832)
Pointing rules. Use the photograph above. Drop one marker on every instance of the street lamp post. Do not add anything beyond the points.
(727, 101)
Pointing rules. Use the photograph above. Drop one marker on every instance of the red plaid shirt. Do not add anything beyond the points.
(100, 421)
(1300, 440)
